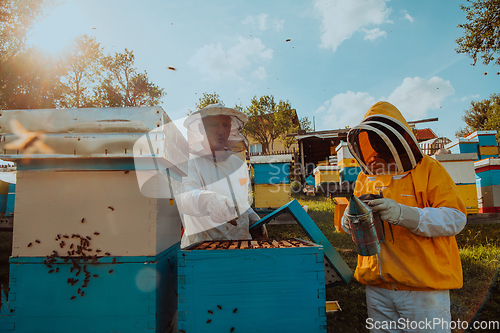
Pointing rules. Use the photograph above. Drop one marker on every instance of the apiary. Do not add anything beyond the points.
(252, 286)
(461, 169)
(96, 228)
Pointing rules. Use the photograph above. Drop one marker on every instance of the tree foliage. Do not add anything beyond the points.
(269, 121)
(123, 86)
(482, 31)
(482, 116)
(208, 99)
(82, 70)
(29, 80)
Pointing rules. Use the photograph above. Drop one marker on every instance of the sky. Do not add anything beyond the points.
(331, 59)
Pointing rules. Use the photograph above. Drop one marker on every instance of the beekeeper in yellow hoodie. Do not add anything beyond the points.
(408, 282)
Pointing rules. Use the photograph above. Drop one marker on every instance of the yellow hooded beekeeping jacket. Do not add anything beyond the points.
(426, 258)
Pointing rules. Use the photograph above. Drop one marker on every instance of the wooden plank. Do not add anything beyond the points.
(483, 218)
(276, 244)
(234, 245)
(244, 245)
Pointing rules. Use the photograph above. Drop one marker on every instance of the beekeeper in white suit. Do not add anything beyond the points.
(216, 199)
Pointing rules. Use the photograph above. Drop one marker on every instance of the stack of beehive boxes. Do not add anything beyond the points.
(91, 251)
(349, 168)
(487, 143)
(461, 169)
(271, 180)
(488, 184)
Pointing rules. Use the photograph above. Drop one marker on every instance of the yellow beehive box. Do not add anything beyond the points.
(326, 174)
(347, 163)
(271, 195)
(107, 206)
(488, 150)
(469, 196)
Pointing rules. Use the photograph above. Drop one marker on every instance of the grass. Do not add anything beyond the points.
(478, 299)
(479, 245)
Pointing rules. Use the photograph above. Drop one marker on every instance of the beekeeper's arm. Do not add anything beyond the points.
(446, 217)
(199, 202)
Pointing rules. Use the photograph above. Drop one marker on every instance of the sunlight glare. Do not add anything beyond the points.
(56, 31)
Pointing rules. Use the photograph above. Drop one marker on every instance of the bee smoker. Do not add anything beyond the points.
(365, 227)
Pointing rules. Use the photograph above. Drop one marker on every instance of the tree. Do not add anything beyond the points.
(481, 116)
(304, 124)
(123, 86)
(16, 19)
(82, 67)
(208, 99)
(268, 121)
(482, 31)
(30, 80)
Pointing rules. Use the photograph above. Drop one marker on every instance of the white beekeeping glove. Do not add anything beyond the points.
(221, 209)
(396, 214)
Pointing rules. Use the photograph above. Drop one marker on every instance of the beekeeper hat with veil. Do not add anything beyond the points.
(198, 141)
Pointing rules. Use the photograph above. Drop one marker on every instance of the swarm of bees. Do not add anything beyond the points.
(78, 254)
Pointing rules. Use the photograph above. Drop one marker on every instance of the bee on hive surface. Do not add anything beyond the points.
(111, 207)
(83, 220)
(73, 297)
(107, 253)
(38, 241)
(29, 245)
(114, 261)
(110, 271)
(219, 307)
(96, 233)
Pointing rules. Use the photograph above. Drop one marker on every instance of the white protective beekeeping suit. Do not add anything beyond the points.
(216, 198)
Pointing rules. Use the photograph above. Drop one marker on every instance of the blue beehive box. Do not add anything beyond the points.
(349, 174)
(271, 169)
(129, 295)
(463, 146)
(485, 138)
(240, 286)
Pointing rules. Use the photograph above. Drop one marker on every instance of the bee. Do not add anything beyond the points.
(81, 294)
(232, 329)
(78, 291)
(30, 142)
(114, 261)
(208, 321)
(171, 68)
(111, 207)
(88, 237)
(83, 220)
(51, 271)
(58, 236)
(73, 297)
(107, 253)
(96, 233)
(38, 241)
(286, 41)
(219, 307)
(98, 250)
(127, 171)
(62, 244)
(110, 271)
(95, 275)
(30, 244)
(65, 236)
(235, 310)
(210, 311)
(57, 269)
(55, 252)
(71, 246)
(77, 273)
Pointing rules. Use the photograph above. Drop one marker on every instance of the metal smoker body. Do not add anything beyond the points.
(365, 228)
